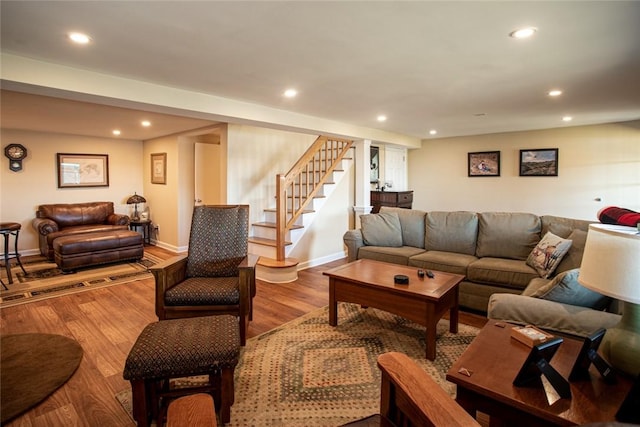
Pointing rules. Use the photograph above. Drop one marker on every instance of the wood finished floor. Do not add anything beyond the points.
(107, 322)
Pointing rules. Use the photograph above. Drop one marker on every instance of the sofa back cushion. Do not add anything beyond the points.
(411, 223)
(511, 235)
(68, 215)
(381, 229)
(451, 232)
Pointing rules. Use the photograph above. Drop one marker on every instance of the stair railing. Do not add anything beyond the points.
(296, 189)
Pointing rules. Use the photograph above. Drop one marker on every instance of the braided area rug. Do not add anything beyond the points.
(308, 373)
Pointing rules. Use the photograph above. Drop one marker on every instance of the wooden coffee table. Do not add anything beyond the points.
(424, 300)
(494, 359)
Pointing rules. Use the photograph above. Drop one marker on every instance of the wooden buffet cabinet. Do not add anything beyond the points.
(395, 199)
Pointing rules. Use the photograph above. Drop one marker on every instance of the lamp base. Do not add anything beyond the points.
(621, 345)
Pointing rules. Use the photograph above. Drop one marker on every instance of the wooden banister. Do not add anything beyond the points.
(296, 189)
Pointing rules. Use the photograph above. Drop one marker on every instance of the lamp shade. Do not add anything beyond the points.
(136, 198)
(611, 262)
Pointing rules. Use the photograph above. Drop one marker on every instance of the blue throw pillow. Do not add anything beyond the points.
(566, 289)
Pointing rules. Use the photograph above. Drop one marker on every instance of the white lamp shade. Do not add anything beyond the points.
(611, 262)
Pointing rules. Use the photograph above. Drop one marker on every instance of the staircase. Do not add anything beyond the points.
(299, 195)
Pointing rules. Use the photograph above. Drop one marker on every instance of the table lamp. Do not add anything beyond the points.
(611, 266)
(134, 200)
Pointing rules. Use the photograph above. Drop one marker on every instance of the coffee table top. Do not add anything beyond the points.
(366, 272)
(494, 359)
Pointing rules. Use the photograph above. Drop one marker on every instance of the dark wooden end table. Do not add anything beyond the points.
(494, 359)
(146, 228)
(424, 300)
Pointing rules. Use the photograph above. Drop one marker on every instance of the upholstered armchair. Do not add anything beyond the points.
(217, 276)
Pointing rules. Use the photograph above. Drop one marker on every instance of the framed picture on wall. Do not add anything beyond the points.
(83, 170)
(159, 168)
(484, 163)
(539, 162)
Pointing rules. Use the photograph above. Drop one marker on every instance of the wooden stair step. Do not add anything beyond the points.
(273, 225)
(265, 242)
(274, 263)
(315, 197)
(290, 211)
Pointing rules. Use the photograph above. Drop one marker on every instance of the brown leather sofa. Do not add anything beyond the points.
(58, 220)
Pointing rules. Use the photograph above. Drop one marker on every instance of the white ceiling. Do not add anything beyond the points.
(450, 66)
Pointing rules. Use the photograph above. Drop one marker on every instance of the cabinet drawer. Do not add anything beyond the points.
(405, 197)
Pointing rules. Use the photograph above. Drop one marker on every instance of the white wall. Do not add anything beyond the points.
(22, 192)
(255, 153)
(600, 161)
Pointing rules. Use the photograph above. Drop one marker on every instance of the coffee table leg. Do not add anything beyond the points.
(430, 334)
(333, 304)
(453, 314)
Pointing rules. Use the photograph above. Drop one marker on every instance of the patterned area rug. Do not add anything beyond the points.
(307, 373)
(45, 280)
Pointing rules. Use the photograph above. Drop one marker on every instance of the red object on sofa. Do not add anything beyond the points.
(619, 216)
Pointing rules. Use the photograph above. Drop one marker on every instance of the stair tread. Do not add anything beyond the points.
(315, 197)
(289, 210)
(274, 263)
(265, 242)
(273, 225)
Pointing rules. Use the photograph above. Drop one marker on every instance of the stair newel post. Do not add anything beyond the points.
(281, 216)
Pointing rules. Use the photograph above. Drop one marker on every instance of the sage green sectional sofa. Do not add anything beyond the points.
(489, 248)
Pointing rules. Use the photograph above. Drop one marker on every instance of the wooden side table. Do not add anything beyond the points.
(494, 359)
(146, 229)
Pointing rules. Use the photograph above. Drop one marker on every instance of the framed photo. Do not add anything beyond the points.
(83, 170)
(539, 162)
(484, 163)
(159, 168)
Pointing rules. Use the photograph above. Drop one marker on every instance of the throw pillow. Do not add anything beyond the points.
(566, 289)
(547, 254)
(381, 229)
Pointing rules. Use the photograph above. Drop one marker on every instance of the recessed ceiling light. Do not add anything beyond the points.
(145, 123)
(116, 132)
(433, 132)
(554, 92)
(290, 93)
(523, 33)
(567, 118)
(79, 38)
(382, 118)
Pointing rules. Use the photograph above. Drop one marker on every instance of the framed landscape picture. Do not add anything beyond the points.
(539, 162)
(83, 170)
(159, 168)
(485, 163)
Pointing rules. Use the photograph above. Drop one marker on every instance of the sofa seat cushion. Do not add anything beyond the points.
(84, 229)
(399, 255)
(504, 272)
(511, 235)
(448, 262)
(451, 232)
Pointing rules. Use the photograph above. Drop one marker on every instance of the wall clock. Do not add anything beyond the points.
(15, 153)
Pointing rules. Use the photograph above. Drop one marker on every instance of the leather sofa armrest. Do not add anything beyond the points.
(118, 219)
(549, 315)
(409, 393)
(354, 241)
(45, 226)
